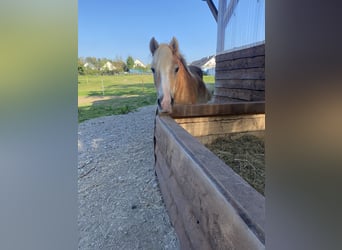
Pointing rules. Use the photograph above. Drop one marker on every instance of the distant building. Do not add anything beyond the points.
(207, 64)
(108, 66)
(138, 63)
(89, 66)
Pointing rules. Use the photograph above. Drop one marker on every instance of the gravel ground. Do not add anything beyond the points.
(120, 204)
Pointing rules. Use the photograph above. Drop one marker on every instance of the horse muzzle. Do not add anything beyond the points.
(165, 105)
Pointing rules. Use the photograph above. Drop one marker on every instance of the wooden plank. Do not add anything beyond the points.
(240, 75)
(221, 208)
(244, 94)
(213, 109)
(180, 210)
(225, 99)
(241, 84)
(236, 97)
(241, 63)
(254, 73)
(217, 125)
(244, 53)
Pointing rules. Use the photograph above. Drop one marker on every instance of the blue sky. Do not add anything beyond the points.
(124, 28)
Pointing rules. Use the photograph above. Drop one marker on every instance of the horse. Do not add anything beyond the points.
(175, 82)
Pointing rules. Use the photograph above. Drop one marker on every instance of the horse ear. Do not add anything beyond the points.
(174, 45)
(153, 45)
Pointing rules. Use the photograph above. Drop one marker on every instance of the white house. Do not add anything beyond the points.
(108, 66)
(207, 64)
(138, 63)
(89, 65)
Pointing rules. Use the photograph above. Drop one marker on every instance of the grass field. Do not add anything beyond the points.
(116, 94)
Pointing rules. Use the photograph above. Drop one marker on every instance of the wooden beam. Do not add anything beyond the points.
(243, 94)
(225, 99)
(222, 125)
(210, 205)
(196, 110)
(241, 63)
(241, 84)
(221, 29)
(212, 8)
(248, 74)
(258, 50)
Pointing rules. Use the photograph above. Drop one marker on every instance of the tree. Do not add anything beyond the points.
(91, 60)
(130, 62)
(119, 65)
(80, 66)
(80, 70)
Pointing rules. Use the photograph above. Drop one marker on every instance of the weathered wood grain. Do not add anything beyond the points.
(179, 209)
(244, 53)
(245, 74)
(240, 75)
(210, 206)
(241, 84)
(226, 99)
(214, 109)
(244, 94)
(241, 63)
(217, 125)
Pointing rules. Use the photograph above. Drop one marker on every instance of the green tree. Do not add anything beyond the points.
(91, 60)
(119, 65)
(80, 70)
(130, 62)
(80, 66)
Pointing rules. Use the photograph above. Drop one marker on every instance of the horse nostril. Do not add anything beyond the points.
(159, 103)
(172, 101)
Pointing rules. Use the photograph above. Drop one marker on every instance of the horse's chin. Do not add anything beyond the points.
(165, 106)
(165, 110)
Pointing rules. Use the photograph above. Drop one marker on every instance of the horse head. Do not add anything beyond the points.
(165, 67)
(174, 80)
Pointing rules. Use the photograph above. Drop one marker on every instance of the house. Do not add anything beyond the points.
(138, 63)
(207, 64)
(108, 66)
(89, 65)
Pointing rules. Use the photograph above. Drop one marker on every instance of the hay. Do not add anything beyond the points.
(245, 155)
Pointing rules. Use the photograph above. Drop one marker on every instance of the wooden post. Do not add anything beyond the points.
(142, 82)
(220, 26)
(102, 87)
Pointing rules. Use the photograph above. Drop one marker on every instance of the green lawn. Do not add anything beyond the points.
(126, 93)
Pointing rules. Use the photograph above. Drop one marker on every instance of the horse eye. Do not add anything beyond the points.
(152, 70)
(176, 69)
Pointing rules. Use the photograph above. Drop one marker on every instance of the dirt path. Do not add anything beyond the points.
(120, 205)
(82, 100)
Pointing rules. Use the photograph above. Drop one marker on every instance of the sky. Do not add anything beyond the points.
(118, 29)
